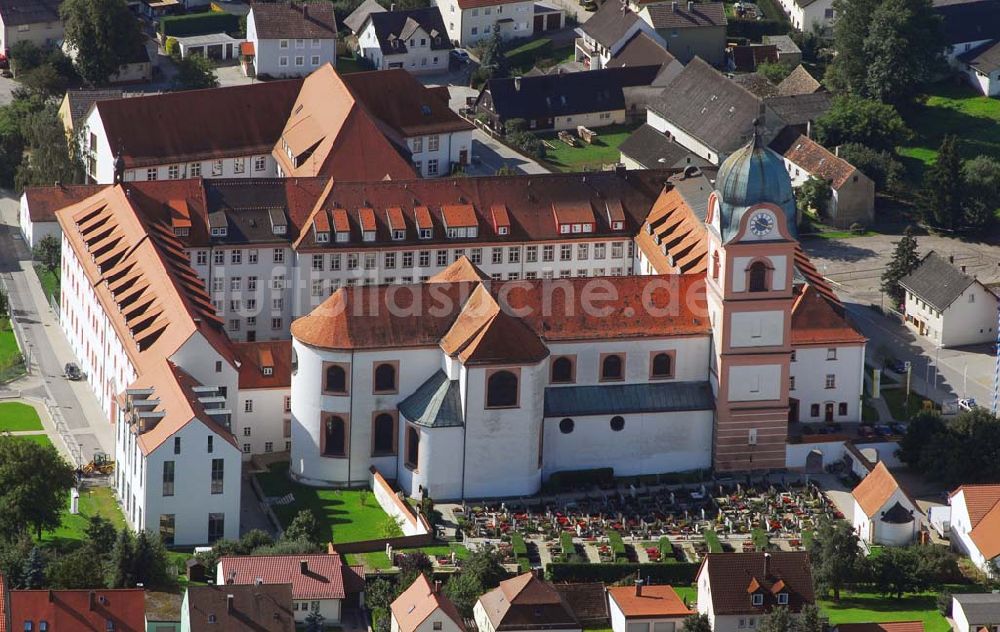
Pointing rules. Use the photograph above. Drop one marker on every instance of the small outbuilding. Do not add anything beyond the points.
(883, 512)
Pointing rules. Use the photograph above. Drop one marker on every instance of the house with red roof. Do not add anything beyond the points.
(99, 610)
(642, 608)
(424, 608)
(524, 604)
(320, 583)
(975, 525)
(883, 512)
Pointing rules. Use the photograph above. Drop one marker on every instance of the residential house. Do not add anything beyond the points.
(564, 101)
(895, 626)
(320, 583)
(266, 405)
(424, 608)
(524, 603)
(469, 21)
(806, 15)
(736, 589)
(646, 608)
(607, 31)
(746, 57)
(975, 528)
(163, 611)
(76, 103)
(973, 612)
(689, 30)
(414, 40)
(982, 65)
(35, 21)
(289, 39)
(647, 148)
(800, 111)
(121, 610)
(852, 193)
(417, 120)
(37, 211)
(789, 52)
(883, 512)
(358, 17)
(799, 81)
(217, 47)
(947, 305)
(967, 24)
(642, 49)
(255, 607)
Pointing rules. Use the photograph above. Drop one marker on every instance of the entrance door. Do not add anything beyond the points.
(552, 22)
(539, 23)
(828, 414)
(251, 336)
(793, 410)
(463, 156)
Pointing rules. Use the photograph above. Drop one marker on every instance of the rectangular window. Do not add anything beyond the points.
(831, 381)
(259, 163)
(442, 257)
(218, 475)
(248, 406)
(496, 255)
(314, 60)
(216, 526)
(317, 287)
(317, 262)
(531, 254)
(418, 144)
(565, 252)
(195, 170)
(251, 256)
(268, 446)
(151, 173)
(168, 478)
(831, 354)
(283, 61)
(210, 443)
(476, 255)
(352, 261)
(370, 261)
(177, 440)
(201, 258)
(216, 167)
(279, 255)
(174, 172)
(275, 323)
(548, 253)
(582, 250)
(600, 251)
(842, 408)
(300, 61)
(433, 142)
(167, 529)
(239, 164)
(513, 255)
(432, 167)
(335, 262)
(617, 250)
(408, 259)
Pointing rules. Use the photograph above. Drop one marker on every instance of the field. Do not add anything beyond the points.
(96, 501)
(17, 417)
(604, 149)
(953, 109)
(341, 511)
(870, 607)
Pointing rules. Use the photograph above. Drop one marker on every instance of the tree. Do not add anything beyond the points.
(903, 50)
(4, 304)
(305, 527)
(814, 194)
(34, 483)
(380, 593)
(493, 61)
(854, 119)
(882, 166)
(847, 72)
(48, 252)
(463, 589)
(696, 623)
(45, 81)
(288, 547)
(411, 565)
(77, 569)
(486, 566)
(392, 527)
(149, 566)
(195, 72)
(315, 621)
(942, 195)
(34, 569)
(50, 156)
(894, 571)
(104, 34)
(981, 176)
(775, 72)
(14, 554)
(255, 539)
(778, 620)
(122, 561)
(904, 261)
(835, 556)
(24, 56)
(810, 619)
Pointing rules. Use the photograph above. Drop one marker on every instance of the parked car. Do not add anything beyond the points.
(72, 372)
(459, 55)
(898, 428)
(866, 431)
(967, 403)
(894, 365)
(883, 430)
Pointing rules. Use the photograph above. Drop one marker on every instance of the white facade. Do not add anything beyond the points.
(965, 622)
(433, 155)
(34, 232)
(682, 138)
(419, 57)
(597, 55)
(961, 539)
(99, 158)
(873, 530)
(42, 34)
(827, 382)
(970, 319)
(468, 26)
(807, 15)
(289, 57)
(264, 421)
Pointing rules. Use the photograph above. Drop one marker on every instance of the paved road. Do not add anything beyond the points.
(48, 351)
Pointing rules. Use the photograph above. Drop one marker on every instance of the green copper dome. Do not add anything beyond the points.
(754, 174)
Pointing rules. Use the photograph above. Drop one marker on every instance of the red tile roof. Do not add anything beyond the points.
(814, 158)
(983, 505)
(254, 356)
(198, 124)
(286, 20)
(420, 601)
(43, 202)
(573, 212)
(815, 320)
(325, 577)
(80, 610)
(255, 608)
(897, 626)
(459, 215)
(730, 575)
(413, 110)
(394, 215)
(655, 601)
(875, 490)
(366, 218)
(526, 602)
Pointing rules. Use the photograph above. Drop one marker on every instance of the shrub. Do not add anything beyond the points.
(566, 543)
(518, 546)
(617, 545)
(756, 29)
(676, 574)
(712, 541)
(199, 24)
(880, 165)
(666, 549)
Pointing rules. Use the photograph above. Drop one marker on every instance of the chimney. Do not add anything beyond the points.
(258, 581)
(52, 596)
(437, 586)
(836, 151)
(638, 588)
(674, 6)
(303, 566)
(767, 564)
(229, 604)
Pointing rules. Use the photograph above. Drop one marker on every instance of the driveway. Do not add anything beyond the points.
(492, 154)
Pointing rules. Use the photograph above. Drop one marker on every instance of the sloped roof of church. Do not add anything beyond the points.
(437, 403)
(624, 399)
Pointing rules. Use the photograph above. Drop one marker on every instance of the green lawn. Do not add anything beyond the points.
(339, 510)
(49, 280)
(346, 65)
(688, 593)
(895, 398)
(712, 541)
(17, 416)
(870, 607)
(953, 109)
(96, 501)
(10, 368)
(378, 560)
(604, 149)
(40, 439)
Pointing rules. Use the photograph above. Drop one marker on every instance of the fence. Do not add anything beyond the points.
(412, 523)
(373, 546)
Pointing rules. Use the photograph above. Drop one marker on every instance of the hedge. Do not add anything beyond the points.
(680, 574)
(566, 541)
(712, 541)
(756, 29)
(199, 24)
(666, 550)
(528, 53)
(617, 546)
(519, 548)
(570, 479)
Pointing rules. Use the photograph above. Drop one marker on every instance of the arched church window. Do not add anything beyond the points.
(757, 273)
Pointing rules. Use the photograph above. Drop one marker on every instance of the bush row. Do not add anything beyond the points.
(199, 24)
(617, 545)
(677, 574)
(754, 30)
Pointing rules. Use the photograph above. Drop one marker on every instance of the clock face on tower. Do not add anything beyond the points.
(761, 223)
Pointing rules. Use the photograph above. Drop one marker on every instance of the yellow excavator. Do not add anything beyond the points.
(100, 465)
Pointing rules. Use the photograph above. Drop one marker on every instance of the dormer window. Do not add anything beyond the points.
(588, 228)
(460, 220)
(564, 229)
(220, 231)
(343, 238)
(322, 238)
(503, 230)
(577, 228)
(618, 225)
(368, 235)
(181, 232)
(268, 370)
(757, 599)
(398, 234)
(782, 599)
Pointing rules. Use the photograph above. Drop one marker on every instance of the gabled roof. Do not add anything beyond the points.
(642, 50)
(985, 58)
(420, 601)
(393, 29)
(586, 601)
(673, 237)
(526, 602)
(875, 490)
(799, 81)
(734, 577)
(647, 146)
(330, 133)
(702, 102)
(937, 282)
(800, 109)
(653, 602)
(609, 24)
(286, 20)
(253, 357)
(81, 100)
(413, 110)
(20, 12)
(170, 127)
(667, 15)
(898, 626)
(43, 202)
(324, 576)
(254, 608)
(814, 158)
(816, 320)
(979, 608)
(547, 96)
(78, 609)
(356, 20)
(983, 504)
(757, 84)
(969, 20)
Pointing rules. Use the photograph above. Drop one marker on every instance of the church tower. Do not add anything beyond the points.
(751, 250)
